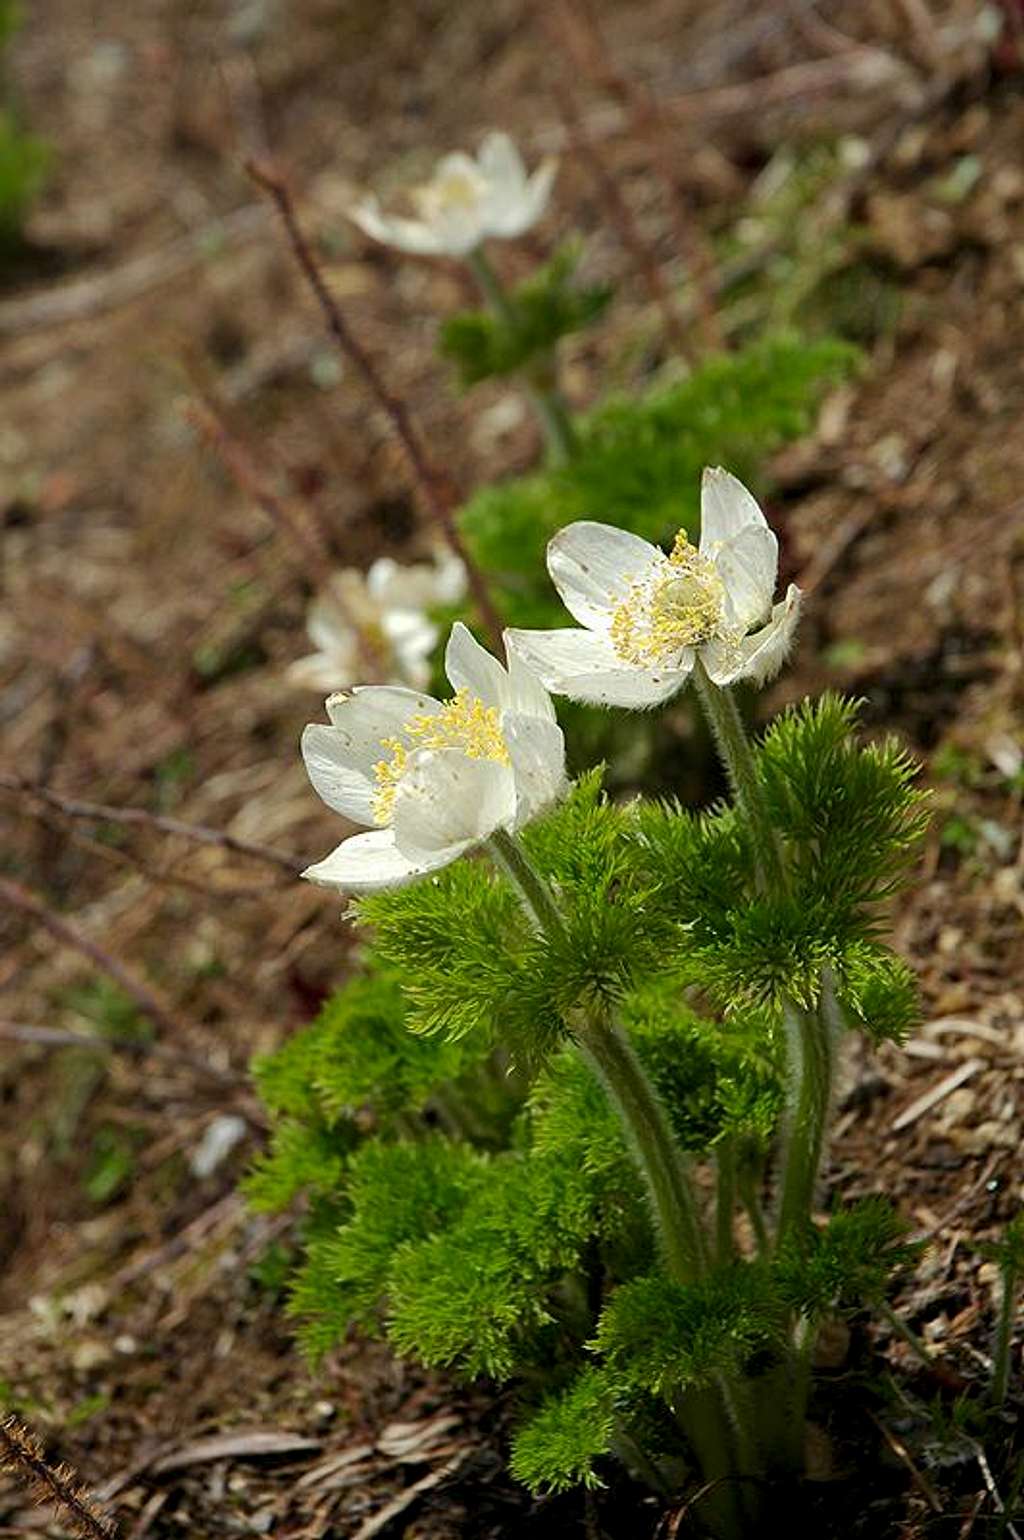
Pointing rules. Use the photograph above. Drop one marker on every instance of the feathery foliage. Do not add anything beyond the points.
(540, 312)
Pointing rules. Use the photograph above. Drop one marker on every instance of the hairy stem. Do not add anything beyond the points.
(541, 385)
(810, 1042)
(725, 1201)
(1004, 1333)
(734, 747)
(610, 1054)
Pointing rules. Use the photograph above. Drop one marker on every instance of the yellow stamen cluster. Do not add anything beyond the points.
(454, 193)
(463, 723)
(679, 606)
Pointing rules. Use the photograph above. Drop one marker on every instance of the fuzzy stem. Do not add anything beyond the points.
(541, 385)
(610, 1054)
(725, 1202)
(533, 890)
(902, 1330)
(810, 1078)
(1004, 1333)
(734, 747)
(751, 1201)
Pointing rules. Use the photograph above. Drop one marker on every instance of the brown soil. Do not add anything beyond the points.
(150, 609)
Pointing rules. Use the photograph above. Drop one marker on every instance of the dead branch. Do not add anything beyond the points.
(619, 214)
(586, 43)
(28, 903)
(436, 485)
(58, 1037)
(99, 812)
(21, 1452)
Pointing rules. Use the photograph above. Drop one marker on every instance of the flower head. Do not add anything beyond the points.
(464, 202)
(646, 616)
(378, 622)
(430, 778)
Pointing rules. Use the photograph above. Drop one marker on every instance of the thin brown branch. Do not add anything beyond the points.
(241, 466)
(99, 812)
(28, 903)
(620, 216)
(586, 43)
(436, 486)
(22, 1453)
(59, 1037)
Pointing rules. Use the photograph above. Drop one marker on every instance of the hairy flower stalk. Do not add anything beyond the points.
(541, 381)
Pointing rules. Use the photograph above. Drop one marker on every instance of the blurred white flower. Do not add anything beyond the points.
(647, 616)
(378, 622)
(434, 778)
(465, 202)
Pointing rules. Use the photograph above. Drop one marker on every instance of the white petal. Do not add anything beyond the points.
(748, 564)
(410, 235)
(447, 802)
(370, 713)
(537, 751)
(345, 788)
(449, 579)
(726, 507)
(366, 862)
(322, 672)
(538, 192)
(584, 666)
(526, 693)
(501, 163)
(471, 667)
(593, 567)
(760, 656)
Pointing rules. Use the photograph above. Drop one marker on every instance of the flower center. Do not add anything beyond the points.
(679, 606)
(455, 193)
(463, 723)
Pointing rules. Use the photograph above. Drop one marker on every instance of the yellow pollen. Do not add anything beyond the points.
(463, 723)
(679, 607)
(456, 193)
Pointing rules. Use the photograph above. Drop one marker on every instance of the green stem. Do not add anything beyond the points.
(611, 1055)
(901, 1329)
(609, 1052)
(734, 746)
(809, 1035)
(725, 1202)
(1004, 1333)
(533, 890)
(541, 386)
(750, 1198)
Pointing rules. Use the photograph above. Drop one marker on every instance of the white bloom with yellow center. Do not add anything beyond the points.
(647, 617)
(465, 202)
(431, 779)
(378, 623)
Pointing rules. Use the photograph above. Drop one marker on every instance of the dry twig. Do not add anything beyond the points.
(28, 903)
(99, 812)
(585, 41)
(435, 484)
(51, 1485)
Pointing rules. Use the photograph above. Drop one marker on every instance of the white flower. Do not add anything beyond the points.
(648, 616)
(433, 779)
(378, 623)
(464, 202)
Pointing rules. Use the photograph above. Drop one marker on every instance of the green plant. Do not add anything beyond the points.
(649, 985)
(24, 159)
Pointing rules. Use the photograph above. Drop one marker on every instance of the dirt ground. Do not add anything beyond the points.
(150, 609)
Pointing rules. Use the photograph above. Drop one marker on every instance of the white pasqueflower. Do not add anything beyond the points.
(379, 621)
(464, 202)
(647, 616)
(432, 779)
